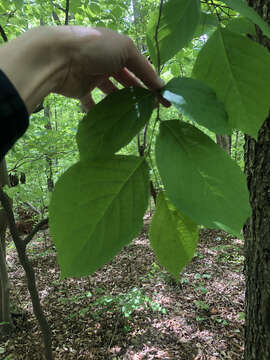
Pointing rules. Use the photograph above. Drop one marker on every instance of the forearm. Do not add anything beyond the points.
(34, 64)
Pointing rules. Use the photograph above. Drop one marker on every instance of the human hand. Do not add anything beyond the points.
(93, 55)
(72, 61)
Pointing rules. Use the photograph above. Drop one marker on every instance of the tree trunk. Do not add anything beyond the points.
(5, 317)
(236, 145)
(138, 23)
(225, 142)
(257, 230)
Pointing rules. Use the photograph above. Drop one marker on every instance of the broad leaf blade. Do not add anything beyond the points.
(173, 236)
(241, 25)
(200, 179)
(178, 23)
(198, 102)
(113, 122)
(97, 207)
(242, 7)
(74, 6)
(238, 69)
(19, 4)
(206, 24)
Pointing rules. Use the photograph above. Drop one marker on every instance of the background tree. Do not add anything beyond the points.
(257, 229)
(5, 316)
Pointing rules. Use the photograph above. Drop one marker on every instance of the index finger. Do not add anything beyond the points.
(142, 68)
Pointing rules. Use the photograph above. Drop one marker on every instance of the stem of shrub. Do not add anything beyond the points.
(30, 276)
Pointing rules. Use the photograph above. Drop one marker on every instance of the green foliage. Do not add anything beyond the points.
(241, 316)
(106, 203)
(200, 179)
(94, 8)
(74, 6)
(173, 236)
(238, 69)
(198, 102)
(19, 190)
(246, 11)
(108, 127)
(222, 321)
(19, 4)
(242, 26)
(200, 319)
(9, 357)
(206, 24)
(177, 25)
(127, 303)
(201, 305)
(98, 204)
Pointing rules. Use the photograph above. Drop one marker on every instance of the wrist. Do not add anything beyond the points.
(34, 64)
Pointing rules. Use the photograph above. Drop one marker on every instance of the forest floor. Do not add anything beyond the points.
(132, 308)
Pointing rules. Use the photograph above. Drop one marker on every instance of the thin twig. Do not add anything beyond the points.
(153, 168)
(216, 7)
(26, 161)
(139, 144)
(145, 135)
(157, 119)
(67, 12)
(36, 229)
(18, 164)
(58, 6)
(30, 275)
(158, 63)
(56, 18)
(3, 34)
(8, 14)
(156, 36)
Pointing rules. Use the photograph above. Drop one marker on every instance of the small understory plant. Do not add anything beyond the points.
(125, 304)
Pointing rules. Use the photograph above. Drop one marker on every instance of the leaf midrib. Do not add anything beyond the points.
(191, 160)
(109, 204)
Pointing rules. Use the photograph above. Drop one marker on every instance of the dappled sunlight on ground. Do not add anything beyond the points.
(197, 318)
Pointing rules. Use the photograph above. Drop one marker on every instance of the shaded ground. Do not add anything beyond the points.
(199, 318)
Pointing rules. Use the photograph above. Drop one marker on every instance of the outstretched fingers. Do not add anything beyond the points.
(142, 68)
(144, 71)
(126, 78)
(107, 86)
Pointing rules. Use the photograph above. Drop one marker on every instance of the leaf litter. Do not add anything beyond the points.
(132, 308)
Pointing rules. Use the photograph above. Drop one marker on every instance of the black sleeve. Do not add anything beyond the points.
(14, 118)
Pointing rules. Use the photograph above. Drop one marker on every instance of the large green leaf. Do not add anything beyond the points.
(198, 102)
(96, 208)
(173, 236)
(241, 25)
(94, 8)
(19, 4)
(178, 23)
(113, 122)
(201, 180)
(74, 6)
(238, 69)
(242, 7)
(206, 24)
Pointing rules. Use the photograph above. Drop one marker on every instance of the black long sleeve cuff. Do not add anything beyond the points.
(14, 118)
